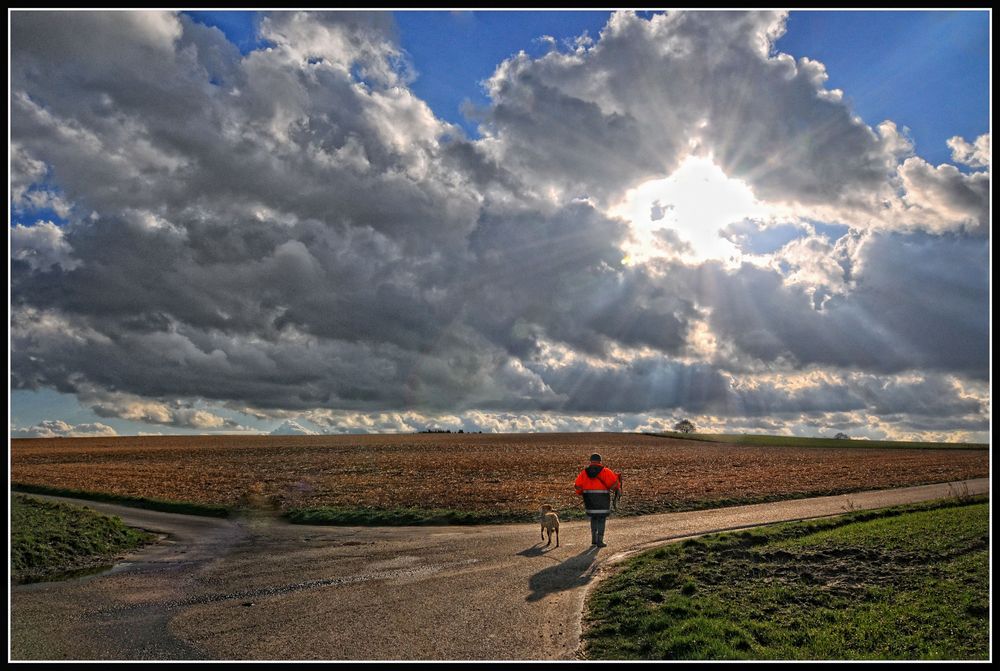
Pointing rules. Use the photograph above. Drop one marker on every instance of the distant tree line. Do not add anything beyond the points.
(445, 431)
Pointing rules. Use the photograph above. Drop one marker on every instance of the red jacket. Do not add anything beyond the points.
(605, 479)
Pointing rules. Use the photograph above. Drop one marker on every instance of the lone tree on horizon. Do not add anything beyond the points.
(842, 436)
(684, 426)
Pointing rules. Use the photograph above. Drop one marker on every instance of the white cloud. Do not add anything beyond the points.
(976, 155)
(42, 246)
(942, 198)
(54, 428)
(292, 428)
(138, 409)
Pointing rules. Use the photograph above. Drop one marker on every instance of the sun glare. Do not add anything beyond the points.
(682, 215)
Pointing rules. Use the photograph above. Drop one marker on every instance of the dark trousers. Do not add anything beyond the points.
(597, 528)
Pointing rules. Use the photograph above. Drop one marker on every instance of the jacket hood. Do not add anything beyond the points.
(593, 470)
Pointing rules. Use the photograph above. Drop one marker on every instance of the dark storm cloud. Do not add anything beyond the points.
(561, 271)
(294, 230)
(918, 302)
(148, 130)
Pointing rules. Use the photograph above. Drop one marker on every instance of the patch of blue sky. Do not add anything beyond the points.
(29, 216)
(926, 70)
(33, 206)
(239, 27)
(29, 407)
(753, 237)
(771, 239)
(454, 52)
(833, 232)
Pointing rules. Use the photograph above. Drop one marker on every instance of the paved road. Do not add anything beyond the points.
(221, 589)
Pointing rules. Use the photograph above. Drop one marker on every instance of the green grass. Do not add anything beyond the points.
(408, 516)
(411, 516)
(798, 441)
(910, 582)
(50, 540)
(184, 507)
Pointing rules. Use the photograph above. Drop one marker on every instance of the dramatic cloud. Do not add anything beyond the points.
(892, 306)
(292, 234)
(592, 121)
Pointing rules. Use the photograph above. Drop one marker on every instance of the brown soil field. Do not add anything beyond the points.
(498, 473)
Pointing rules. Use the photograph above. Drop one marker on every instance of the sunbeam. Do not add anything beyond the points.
(683, 215)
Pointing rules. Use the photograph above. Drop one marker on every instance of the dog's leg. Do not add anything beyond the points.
(543, 532)
(557, 536)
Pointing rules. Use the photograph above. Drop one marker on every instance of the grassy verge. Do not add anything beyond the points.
(796, 441)
(183, 507)
(402, 516)
(49, 540)
(411, 516)
(910, 582)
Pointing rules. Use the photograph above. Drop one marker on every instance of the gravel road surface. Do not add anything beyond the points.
(264, 589)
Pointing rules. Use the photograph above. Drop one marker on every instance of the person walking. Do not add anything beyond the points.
(595, 484)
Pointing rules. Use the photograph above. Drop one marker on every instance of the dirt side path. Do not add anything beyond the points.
(267, 590)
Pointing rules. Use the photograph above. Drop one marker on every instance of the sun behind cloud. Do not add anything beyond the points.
(683, 215)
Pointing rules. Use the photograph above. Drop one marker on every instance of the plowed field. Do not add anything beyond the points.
(502, 473)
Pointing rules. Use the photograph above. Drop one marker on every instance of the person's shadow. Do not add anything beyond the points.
(574, 572)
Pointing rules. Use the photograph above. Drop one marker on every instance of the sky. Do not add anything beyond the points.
(329, 222)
